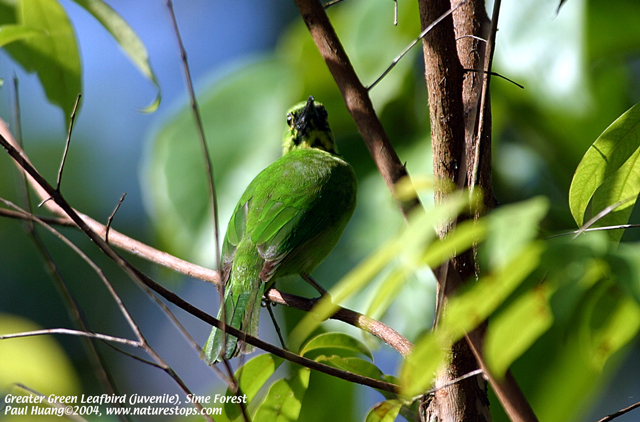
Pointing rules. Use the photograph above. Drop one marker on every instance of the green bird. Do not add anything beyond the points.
(286, 222)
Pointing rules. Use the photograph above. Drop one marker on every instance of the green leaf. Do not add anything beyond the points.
(463, 313)
(353, 364)
(10, 33)
(387, 291)
(386, 411)
(336, 341)
(126, 37)
(512, 227)
(419, 368)
(53, 54)
(611, 320)
(462, 238)
(473, 306)
(411, 242)
(250, 378)
(514, 330)
(284, 400)
(609, 173)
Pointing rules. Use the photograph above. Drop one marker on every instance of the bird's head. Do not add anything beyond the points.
(308, 127)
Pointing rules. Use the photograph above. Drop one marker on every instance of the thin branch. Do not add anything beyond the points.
(356, 98)
(275, 323)
(57, 221)
(595, 229)
(484, 93)
(105, 248)
(71, 332)
(200, 128)
(449, 383)
(116, 238)
(497, 75)
(620, 412)
(601, 214)
(370, 325)
(365, 323)
(96, 360)
(331, 3)
(110, 219)
(68, 142)
(414, 42)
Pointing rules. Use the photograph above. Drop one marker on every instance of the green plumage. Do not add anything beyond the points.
(286, 222)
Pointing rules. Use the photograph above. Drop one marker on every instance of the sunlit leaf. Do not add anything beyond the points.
(412, 241)
(464, 312)
(387, 291)
(11, 33)
(336, 341)
(126, 38)
(250, 378)
(53, 54)
(511, 227)
(462, 238)
(474, 305)
(284, 400)
(609, 173)
(386, 411)
(419, 369)
(513, 330)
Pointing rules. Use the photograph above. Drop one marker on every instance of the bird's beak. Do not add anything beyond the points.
(303, 119)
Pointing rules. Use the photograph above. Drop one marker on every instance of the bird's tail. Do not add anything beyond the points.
(242, 301)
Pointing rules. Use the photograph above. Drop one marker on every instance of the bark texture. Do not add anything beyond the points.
(454, 94)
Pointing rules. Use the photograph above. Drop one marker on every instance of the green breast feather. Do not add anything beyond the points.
(287, 221)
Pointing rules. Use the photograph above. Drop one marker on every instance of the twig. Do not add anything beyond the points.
(395, 12)
(601, 214)
(56, 195)
(68, 142)
(95, 358)
(414, 42)
(370, 325)
(496, 74)
(620, 412)
(70, 332)
(331, 3)
(199, 126)
(377, 328)
(449, 383)
(110, 219)
(595, 229)
(488, 57)
(116, 238)
(268, 305)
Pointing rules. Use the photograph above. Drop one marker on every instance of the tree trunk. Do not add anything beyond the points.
(454, 92)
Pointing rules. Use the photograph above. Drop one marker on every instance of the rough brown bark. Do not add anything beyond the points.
(453, 98)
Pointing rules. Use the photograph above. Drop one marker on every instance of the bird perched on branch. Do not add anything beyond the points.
(286, 222)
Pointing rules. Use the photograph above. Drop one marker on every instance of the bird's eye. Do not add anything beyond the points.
(322, 112)
(289, 119)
